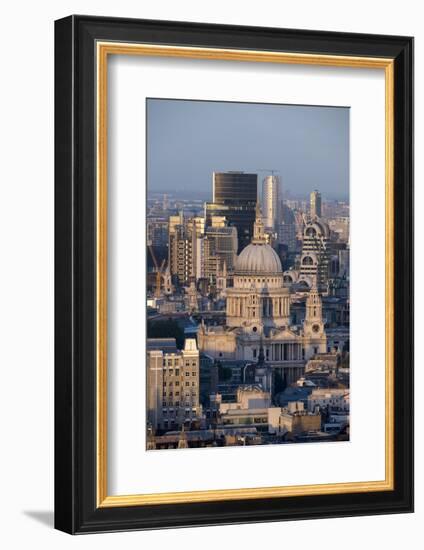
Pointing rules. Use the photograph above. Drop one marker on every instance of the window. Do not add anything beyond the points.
(307, 260)
(187, 373)
(193, 373)
(177, 383)
(177, 372)
(193, 383)
(187, 383)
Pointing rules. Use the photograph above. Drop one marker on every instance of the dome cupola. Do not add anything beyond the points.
(258, 258)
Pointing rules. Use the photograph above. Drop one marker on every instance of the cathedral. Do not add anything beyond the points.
(258, 315)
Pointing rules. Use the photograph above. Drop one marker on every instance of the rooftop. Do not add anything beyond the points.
(167, 345)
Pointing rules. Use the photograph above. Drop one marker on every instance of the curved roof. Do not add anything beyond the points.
(258, 258)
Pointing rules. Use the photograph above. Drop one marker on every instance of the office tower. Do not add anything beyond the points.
(219, 248)
(287, 229)
(234, 197)
(172, 384)
(315, 208)
(157, 231)
(316, 253)
(271, 196)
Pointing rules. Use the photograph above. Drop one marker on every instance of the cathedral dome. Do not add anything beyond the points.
(258, 258)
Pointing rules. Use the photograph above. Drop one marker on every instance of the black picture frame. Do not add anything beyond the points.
(76, 510)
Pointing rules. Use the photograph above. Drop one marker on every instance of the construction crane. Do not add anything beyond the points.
(269, 170)
(159, 271)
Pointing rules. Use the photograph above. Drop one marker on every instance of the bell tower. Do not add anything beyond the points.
(258, 228)
(313, 324)
(315, 339)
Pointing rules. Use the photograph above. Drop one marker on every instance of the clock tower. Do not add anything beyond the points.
(315, 339)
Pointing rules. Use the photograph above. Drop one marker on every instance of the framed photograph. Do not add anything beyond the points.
(234, 288)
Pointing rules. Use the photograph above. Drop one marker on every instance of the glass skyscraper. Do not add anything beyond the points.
(235, 196)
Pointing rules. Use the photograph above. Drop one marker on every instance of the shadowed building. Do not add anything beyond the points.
(234, 197)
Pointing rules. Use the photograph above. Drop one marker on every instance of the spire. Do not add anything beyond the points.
(259, 228)
(261, 356)
(313, 304)
(182, 442)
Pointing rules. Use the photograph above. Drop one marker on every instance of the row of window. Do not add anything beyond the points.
(177, 393)
(171, 372)
(175, 362)
(177, 383)
(176, 404)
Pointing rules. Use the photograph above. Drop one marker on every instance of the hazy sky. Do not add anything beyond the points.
(188, 140)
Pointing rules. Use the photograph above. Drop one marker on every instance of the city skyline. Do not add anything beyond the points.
(248, 300)
(189, 140)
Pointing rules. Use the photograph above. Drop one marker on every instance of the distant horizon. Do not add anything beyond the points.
(306, 146)
(203, 195)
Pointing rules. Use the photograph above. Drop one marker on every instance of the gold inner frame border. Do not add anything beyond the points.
(103, 50)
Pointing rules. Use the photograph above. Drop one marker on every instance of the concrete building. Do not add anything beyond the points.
(316, 253)
(315, 205)
(185, 246)
(340, 226)
(271, 199)
(172, 384)
(296, 420)
(249, 409)
(333, 398)
(219, 250)
(157, 231)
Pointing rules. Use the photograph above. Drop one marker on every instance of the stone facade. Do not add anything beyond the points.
(258, 313)
(172, 384)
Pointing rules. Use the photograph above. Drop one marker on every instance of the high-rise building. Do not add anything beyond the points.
(287, 229)
(219, 248)
(185, 245)
(316, 253)
(315, 205)
(234, 197)
(271, 196)
(172, 384)
(157, 231)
